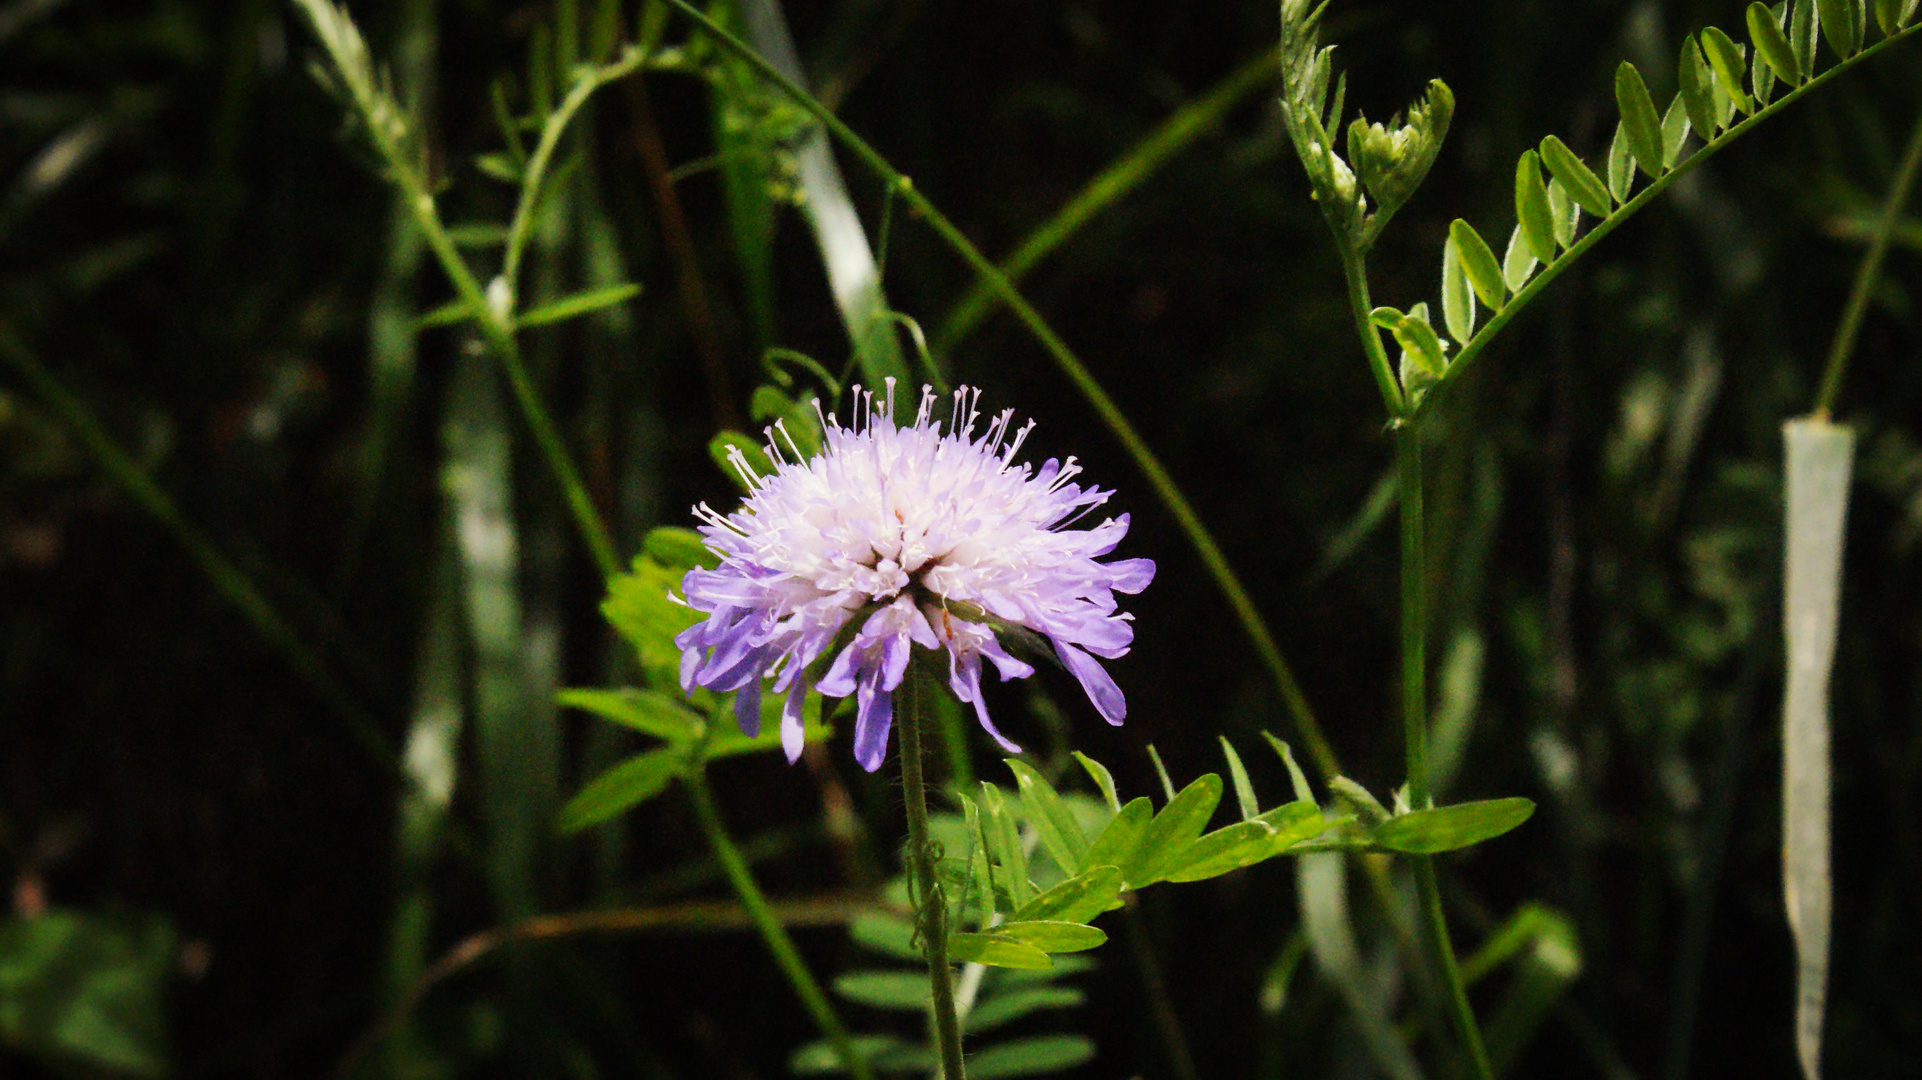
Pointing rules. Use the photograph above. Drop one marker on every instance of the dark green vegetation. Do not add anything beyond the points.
(268, 542)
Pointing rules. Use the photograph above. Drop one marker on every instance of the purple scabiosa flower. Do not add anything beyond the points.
(900, 536)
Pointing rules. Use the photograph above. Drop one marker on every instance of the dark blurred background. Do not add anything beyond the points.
(205, 261)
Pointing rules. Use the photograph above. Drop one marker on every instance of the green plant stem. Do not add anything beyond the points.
(1359, 306)
(551, 131)
(1870, 269)
(765, 921)
(226, 578)
(1307, 729)
(1175, 134)
(930, 909)
(1497, 322)
(1414, 676)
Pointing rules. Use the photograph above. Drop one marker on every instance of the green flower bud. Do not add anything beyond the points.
(1393, 159)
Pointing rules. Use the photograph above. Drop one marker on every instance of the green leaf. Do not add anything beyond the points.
(1120, 835)
(1161, 773)
(1638, 119)
(579, 304)
(498, 167)
(1004, 845)
(820, 1058)
(1518, 262)
(1621, 165)
(1060, 834)
(1730, 62)
(1051, 935)
(1026, 1057)
(741, 457)
(650, 712)
(1531, 207)
(1458, 300)
(447, 314)
(1842, 25)
(1167, 837)
(1249, 842)
(1238, 776)
(992, 1011)
(1103, 780)
(1419, 340)
(993, 950)
(902, 990)
(1563, 213)
(1077, 899)
(630, 783)
(1803, 30)
(1888, 14)
(730, 741)
(638, 608)
(799, 429)
(889, 935)
(1296, 778)
(1696, 93)
(1478, 262)
(678, 548)
(1583, 185)
(1675, 129)
(86, 992)
(1450, 828)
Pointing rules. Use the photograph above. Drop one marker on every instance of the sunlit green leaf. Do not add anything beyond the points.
(1563, 212)
(1639, 122)
(1730, 62)
(1448, 828)
(1419, 340)
(1621, 165)
(1077, 899)
(1531, 207)
(1238, 777)
(1118, 838)
(1842, 25)
(1804, 31)
(1478, 262)
(1103, 780)
(1004, 845)
(1060, 834)
(1583, 185)
(1167, 837)
(1675, 128)
(1458, 307)
(993, 949)
(1051, 935)
(1766, 32)
(628, 784)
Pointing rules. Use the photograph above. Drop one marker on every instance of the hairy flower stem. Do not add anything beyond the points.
(734, 865)
(930, 909)
(1414, 661)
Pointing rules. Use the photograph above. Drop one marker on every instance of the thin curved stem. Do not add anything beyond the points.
(1496, 323)
(761, 913)
(1865, 274)
(1358, 308)
(930, 908)
(1307, 729)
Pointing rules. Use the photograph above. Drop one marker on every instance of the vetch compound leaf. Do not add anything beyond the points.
(1060, 834)
(1167, 837)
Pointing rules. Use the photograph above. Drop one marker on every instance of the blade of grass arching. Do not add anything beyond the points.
(1307, 729)
(853, 276)
(518, 757)
(1321, 885)
(1817, 473)
(1188, 124)
(431, 767)
(221, 573)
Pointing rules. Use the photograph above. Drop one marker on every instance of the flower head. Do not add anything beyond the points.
(905, 536)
